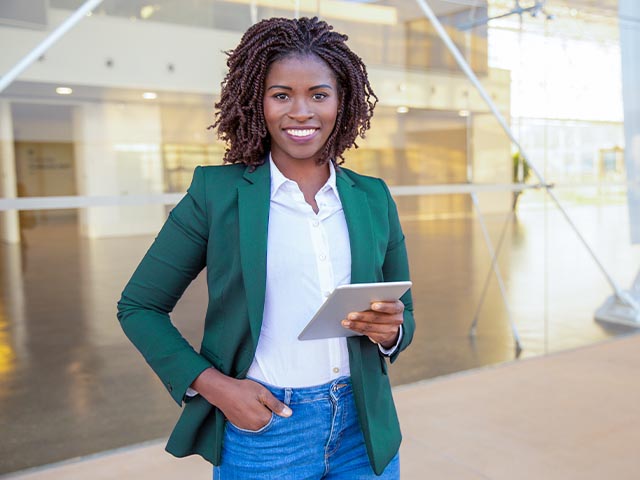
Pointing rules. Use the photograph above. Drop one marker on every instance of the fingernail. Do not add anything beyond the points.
(286, 411)
(376, 306)
(353, 316)
(346, 323)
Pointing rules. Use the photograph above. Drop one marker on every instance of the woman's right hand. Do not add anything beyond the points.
(245, 403)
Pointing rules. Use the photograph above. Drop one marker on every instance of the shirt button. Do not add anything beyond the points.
(327, 293)
(336, 369)
(323, 257)
(315, 223)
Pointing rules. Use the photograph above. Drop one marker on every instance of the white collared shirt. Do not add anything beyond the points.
(308, 255)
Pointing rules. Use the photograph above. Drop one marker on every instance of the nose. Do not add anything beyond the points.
(300, 111)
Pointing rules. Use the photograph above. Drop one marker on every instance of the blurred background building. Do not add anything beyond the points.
(100, 135)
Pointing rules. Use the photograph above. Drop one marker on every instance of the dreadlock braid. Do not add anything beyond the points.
(240, 118)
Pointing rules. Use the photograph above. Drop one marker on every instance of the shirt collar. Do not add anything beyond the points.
(278, 179)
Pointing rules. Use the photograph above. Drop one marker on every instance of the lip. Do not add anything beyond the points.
(303, 134)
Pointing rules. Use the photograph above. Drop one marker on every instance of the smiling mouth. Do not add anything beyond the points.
(301, 132)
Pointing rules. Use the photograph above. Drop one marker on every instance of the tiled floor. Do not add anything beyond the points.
(71, 385)
(567, 416)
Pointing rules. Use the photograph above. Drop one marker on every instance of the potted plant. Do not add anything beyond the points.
(521, 173)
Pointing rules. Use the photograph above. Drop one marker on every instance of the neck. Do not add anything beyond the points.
(309, 175)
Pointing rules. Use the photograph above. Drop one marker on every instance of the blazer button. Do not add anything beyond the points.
(169, 387)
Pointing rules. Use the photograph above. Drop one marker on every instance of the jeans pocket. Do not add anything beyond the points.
(262, 429)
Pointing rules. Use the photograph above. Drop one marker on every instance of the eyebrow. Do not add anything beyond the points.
(315, 87)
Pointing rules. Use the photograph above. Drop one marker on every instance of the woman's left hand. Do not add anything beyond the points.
(381, 324)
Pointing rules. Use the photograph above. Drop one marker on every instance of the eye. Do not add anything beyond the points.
(319, 96)
(281, 96)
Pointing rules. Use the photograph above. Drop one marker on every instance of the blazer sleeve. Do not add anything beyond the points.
(174, 259)
(396, 268)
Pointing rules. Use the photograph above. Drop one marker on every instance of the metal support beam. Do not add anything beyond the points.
(622, 296)
(495, 268)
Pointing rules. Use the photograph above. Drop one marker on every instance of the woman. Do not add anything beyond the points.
(278, 229)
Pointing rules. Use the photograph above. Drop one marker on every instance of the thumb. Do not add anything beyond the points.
(277, 407)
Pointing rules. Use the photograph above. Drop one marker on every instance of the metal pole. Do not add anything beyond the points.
(462, 63)
(496, 270)
(496, 255)
(52, 38)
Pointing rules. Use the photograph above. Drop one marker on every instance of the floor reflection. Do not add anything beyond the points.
(71, 384)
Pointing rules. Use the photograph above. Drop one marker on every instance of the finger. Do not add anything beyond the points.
(380, 310)
(374, 318)
(388, 307)
(372, 328)
(275, 405)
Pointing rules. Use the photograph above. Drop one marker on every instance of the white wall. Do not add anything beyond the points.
(140, 52)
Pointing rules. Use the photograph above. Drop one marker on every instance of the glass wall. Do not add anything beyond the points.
(99, 138)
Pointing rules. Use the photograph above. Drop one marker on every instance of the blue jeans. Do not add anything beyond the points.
(321, 440)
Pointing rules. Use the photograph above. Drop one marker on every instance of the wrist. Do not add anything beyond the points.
(391, 343)
(211, 383)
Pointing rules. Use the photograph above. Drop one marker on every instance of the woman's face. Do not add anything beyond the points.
(300, 107)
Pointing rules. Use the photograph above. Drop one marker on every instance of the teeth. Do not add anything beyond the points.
(301, 133)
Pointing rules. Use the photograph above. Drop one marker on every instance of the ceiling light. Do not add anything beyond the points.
(463, 113)
(147, 11)
(149, 95)
(64, 91)
(402, 109)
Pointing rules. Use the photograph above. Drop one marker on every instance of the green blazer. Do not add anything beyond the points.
(222, 224)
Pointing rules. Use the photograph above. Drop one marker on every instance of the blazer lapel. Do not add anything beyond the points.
(358, 216)
(253, 212)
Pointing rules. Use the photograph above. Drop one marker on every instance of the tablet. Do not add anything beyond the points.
(357, 297)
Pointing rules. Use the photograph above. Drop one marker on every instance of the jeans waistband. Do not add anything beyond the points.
(334, 389)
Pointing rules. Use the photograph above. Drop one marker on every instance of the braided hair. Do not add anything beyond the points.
(240, 117)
